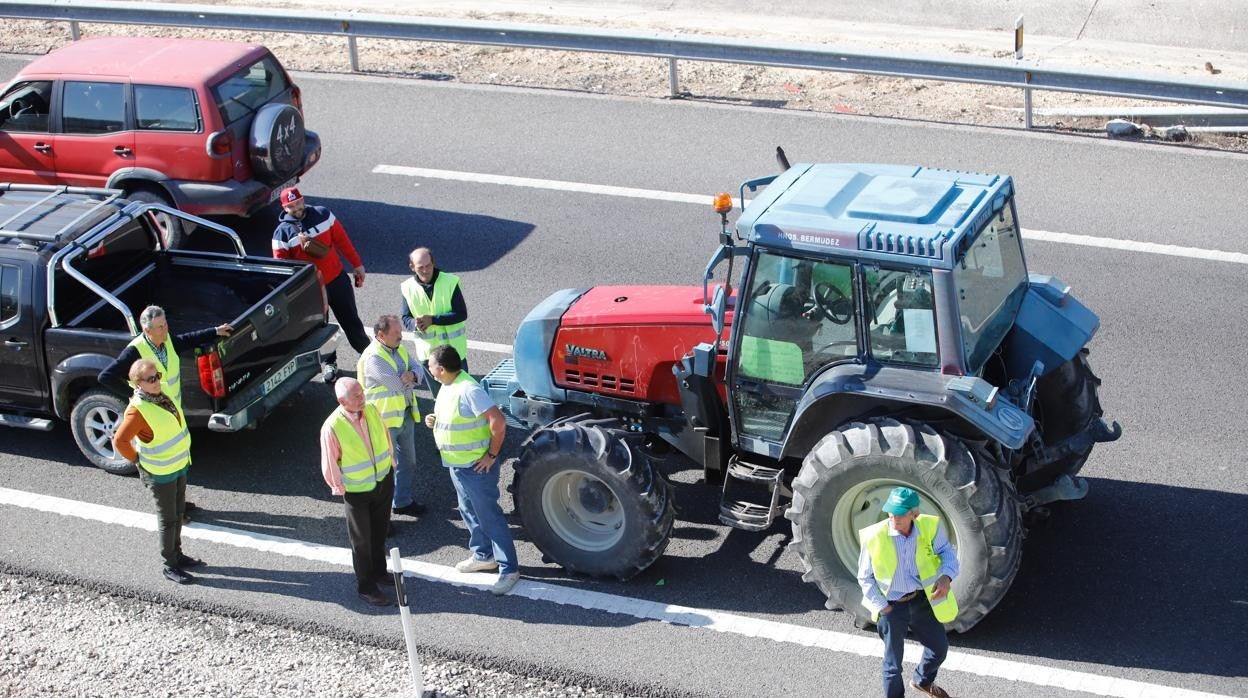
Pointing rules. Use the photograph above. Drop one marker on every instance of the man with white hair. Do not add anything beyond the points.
(154, 344)
(357, 462)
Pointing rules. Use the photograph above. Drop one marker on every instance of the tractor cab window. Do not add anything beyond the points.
(798, 316)
(902, 325)
(991, 278)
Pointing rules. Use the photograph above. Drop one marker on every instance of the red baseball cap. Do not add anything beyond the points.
(290, 195)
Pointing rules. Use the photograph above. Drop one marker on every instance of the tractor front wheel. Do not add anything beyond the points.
(592, 501)
(844, 481)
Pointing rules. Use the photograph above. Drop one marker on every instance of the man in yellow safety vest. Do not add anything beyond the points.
(357, 462)
(905, 568)
(434, 309)
(390, 375)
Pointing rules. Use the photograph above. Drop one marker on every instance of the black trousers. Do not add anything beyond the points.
(368, 517)
(341, 296)
(170, 500)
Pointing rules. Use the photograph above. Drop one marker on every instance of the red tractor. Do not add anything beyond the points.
(882, 330)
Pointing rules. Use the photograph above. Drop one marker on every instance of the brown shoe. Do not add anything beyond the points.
(375, 598)
(934, 691)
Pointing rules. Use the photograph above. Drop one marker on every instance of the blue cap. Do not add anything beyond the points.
(900, 501)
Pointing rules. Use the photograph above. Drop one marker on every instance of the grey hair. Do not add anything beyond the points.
(343, 386)
(150, 313)
(384, 323)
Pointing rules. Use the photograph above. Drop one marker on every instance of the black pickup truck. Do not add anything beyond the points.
(78, 265)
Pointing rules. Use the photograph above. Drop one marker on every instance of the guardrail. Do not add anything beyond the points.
(1021, 74)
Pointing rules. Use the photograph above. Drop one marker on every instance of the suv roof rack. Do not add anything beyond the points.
(53, 191)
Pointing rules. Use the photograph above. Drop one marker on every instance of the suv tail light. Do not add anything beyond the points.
(220, 144)
(296, 97)
(211, 375)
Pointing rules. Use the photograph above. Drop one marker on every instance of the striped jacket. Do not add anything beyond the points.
(319, 223)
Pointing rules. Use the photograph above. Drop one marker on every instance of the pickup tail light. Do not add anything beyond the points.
(211, 375)
(220, 144)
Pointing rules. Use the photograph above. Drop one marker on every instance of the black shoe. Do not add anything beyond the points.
(375, 598)
(414, 510)
(190, 506)
(174, 574)
(328, 373)
(186, 561)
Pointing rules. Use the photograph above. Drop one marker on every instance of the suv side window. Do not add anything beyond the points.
(25, 107)
(94, 107)
(9, 302)
(165, 108)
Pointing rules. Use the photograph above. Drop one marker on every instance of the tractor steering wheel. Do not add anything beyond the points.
(833, 304)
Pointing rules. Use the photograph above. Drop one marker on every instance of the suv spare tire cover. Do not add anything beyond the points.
(277, 139)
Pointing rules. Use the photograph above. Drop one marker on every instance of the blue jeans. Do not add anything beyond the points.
(915, 614)
(488, 535)
(404, 438)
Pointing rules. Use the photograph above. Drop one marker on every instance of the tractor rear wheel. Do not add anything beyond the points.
(1066, 403)
(591, 501)
(844, 481)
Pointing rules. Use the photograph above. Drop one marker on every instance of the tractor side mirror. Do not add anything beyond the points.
(716, 311)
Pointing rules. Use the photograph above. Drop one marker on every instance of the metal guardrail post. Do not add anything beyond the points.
(1027, 102)
(74, 34)
(673, 77)
(353, 53)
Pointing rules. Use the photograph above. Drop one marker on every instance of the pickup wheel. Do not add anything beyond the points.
(591, 501)
(93, 420)
(846, 478)
(173, 230)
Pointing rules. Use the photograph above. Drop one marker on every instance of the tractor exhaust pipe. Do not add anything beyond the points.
(782, 159)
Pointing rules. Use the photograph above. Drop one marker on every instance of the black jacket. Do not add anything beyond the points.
(116, 376)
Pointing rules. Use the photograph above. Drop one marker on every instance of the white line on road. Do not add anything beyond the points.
(473, 344)
(1040, 235)
(719, 621)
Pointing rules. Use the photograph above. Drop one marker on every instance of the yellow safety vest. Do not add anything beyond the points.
(461, 440)
(172, 381)
(361, 468)
(389, 403)
(880, 546)
(170, 448)
(421, 304)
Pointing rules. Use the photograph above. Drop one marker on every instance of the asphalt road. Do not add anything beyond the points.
(1143, 580)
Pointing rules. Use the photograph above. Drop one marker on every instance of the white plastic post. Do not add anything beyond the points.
(405, 614)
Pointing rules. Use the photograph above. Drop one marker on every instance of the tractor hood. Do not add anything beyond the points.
(638, 305)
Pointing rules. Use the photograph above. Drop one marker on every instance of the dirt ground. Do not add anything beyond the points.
(808, 90)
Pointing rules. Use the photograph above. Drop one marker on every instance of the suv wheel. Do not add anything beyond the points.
(173, 230)
(277, 140)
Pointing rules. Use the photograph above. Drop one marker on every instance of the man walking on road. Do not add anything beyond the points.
(356, 460)
(314, 234)
(389, 375)
(469, 430)
(905, 569)
(154, 344)
(434, 309)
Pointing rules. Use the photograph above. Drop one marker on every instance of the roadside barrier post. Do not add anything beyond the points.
(409, 629)
(1018, 56)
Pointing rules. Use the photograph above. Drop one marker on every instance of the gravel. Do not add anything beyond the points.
(62, 639)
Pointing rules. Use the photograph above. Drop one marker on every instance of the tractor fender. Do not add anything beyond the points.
(1051, 327)
(848, 391)
(73, 376)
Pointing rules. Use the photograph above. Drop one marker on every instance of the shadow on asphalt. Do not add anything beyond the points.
(1136, 575)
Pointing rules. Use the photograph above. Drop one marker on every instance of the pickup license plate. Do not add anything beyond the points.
(280, 377)
(278, 190)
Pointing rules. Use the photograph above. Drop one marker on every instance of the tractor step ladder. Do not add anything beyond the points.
(751, 500)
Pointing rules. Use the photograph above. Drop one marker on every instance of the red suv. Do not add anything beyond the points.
(208, 127)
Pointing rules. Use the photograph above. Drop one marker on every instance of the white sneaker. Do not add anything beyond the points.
(472, 564)
(505, 583)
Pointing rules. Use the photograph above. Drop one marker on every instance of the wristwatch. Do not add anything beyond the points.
(491, 455)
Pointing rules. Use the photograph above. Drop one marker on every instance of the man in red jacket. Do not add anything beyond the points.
(314, 234)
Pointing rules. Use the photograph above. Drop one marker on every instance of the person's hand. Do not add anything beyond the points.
(942, 587)
(224, 330)
(408, 377)
(423, 322)
(886, 610)
(430, 420)
(484, 464)
(359, 276)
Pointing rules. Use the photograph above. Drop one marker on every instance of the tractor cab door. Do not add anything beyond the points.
(796, 317)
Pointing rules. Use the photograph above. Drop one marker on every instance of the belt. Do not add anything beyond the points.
(907, 597)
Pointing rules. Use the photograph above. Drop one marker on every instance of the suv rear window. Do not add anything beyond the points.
(249, 89)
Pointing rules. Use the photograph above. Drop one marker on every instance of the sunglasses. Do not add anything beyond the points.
(155, 377)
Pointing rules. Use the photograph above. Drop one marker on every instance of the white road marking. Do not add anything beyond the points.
(473, 344)
(719, 621)
(1040, 235)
